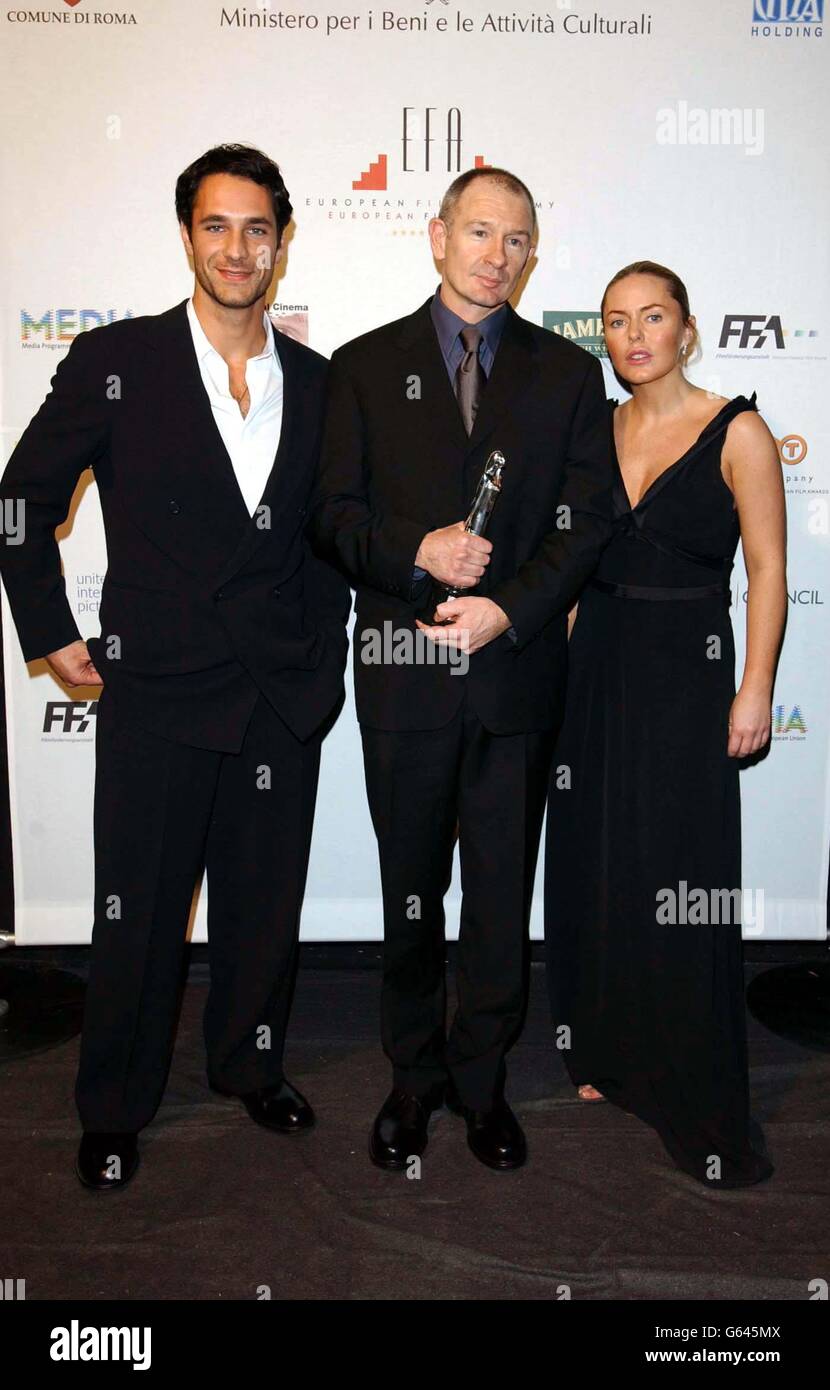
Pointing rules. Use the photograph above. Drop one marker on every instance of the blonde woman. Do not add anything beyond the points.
(647, 994)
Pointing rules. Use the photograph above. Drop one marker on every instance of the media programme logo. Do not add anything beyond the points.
(56, 328)
(788, 723)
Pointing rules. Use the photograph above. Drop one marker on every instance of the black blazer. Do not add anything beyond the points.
(396, 462)
(209, 605)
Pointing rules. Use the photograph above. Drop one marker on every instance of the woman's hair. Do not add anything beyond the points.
(676, 289)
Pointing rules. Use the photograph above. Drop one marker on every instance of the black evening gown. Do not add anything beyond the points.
(643, 799)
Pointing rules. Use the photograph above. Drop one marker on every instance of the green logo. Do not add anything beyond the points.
(582, 326)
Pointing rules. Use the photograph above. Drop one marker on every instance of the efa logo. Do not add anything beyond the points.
(431, 141)
(69, 716)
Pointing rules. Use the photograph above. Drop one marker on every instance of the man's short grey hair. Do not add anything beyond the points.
(502, 177)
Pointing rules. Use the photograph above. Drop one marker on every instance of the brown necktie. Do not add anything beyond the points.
(470, 378)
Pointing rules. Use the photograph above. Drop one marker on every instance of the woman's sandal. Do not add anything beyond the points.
(584, 1093)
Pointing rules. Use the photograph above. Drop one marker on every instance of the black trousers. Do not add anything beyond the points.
(163, 811)
(425, 787)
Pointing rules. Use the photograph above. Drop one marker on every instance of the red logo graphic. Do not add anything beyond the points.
(374, 177)
(73, 3)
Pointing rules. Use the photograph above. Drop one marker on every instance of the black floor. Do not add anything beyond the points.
(220, 1207)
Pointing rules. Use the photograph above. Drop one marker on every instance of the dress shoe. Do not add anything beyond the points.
(279, 1107)
(495, 1135)
(94, 1163)
(400, 1130)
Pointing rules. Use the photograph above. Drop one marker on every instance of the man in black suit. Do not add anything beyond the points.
(221, 655)
(414, 409)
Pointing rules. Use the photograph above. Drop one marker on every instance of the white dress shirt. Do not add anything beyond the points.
(251, 440)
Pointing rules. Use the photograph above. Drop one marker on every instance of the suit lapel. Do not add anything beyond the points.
(179, 367)
(200, 437)
(514, 371)
(424, 359)
(283, 482)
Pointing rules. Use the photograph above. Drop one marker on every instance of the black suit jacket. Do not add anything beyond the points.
(396, 462)
(202, 606)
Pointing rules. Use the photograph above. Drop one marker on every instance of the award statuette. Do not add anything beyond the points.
(488, 489)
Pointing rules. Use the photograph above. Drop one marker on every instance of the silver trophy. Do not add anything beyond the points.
(481, 510)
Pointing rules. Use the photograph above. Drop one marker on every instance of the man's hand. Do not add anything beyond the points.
(475, 622)
(453, 556)
(73, 665)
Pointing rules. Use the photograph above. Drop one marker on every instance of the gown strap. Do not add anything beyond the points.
(724, 418)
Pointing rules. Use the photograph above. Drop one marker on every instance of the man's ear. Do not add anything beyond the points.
(438, 237)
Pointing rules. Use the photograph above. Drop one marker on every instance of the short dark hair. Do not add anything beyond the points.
(246, 163)
(503, 177)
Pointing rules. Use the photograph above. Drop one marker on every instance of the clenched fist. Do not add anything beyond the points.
(73, 664)
(454, 556)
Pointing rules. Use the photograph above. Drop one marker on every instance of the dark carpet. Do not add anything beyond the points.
(221, 1207)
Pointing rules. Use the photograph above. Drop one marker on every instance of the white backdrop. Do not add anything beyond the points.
(689, 134)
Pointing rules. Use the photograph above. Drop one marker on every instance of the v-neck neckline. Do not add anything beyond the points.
(211, 427)
(634, 507)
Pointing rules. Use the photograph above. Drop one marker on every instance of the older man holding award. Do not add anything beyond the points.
(418, 413)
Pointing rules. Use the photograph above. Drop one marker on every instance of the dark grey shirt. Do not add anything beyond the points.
(448, 327)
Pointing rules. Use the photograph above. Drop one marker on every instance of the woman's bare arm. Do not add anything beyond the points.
(753, 471)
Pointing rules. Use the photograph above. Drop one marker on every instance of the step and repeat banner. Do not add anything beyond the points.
(688, 133)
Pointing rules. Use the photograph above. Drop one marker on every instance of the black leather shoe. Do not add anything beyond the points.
(279, 1107)
(96, 1166)
(400, 1129)
(494, 1136)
